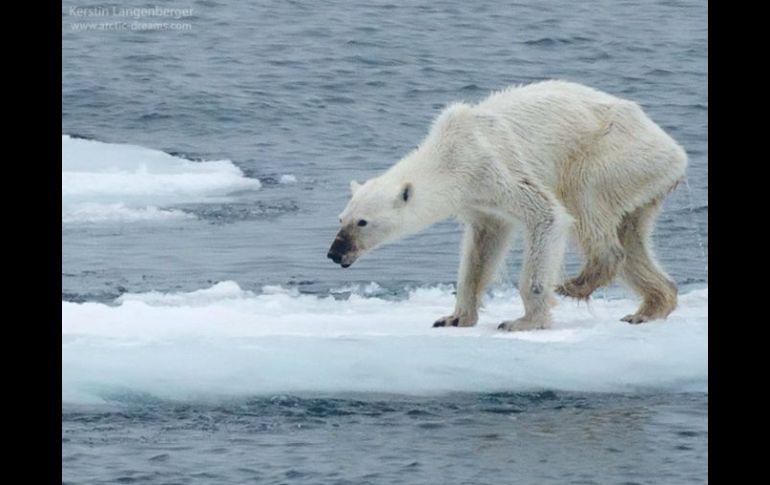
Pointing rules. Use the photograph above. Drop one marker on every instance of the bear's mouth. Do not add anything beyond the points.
(348, 259)
(344, 260)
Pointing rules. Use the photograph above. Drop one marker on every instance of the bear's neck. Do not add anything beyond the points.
(432, 186)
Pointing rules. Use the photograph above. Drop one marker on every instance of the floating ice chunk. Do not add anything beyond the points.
(227, 341)
(127, 182)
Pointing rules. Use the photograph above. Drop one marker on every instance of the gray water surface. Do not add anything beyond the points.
(329, 92)
(529, 438)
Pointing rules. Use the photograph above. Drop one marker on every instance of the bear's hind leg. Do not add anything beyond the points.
(484, 245)
(603, 252)
(640, 271)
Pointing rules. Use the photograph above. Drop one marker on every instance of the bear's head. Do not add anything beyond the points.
(379, 211)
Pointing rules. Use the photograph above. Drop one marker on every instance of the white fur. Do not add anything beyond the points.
(547, 157)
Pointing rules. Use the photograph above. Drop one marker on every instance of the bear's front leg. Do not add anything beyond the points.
(484, 244)
(545, 244)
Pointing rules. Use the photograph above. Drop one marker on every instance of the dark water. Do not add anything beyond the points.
(541, 437)
(330, 91)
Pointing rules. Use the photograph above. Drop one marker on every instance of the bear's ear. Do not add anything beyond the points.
(404, 195)
(406, 192)
(354, 186)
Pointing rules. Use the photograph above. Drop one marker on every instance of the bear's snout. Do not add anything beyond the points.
(341, 248)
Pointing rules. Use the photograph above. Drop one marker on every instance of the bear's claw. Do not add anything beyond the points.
(635, 318)
(453, 321)
(523, 324)
(574, 290)
(447, 322)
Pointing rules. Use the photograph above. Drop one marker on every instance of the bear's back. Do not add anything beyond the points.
(552, 94)
(554, 119)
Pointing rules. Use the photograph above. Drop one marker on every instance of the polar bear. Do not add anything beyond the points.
(554, 158)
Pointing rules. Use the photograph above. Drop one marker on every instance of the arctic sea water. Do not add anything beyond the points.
(207, 339)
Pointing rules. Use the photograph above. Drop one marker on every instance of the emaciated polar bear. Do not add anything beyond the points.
(551, 156)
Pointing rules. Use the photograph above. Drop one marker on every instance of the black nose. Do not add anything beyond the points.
(340, 247)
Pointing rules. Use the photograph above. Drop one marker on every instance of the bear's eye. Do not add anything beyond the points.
(362, 222)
